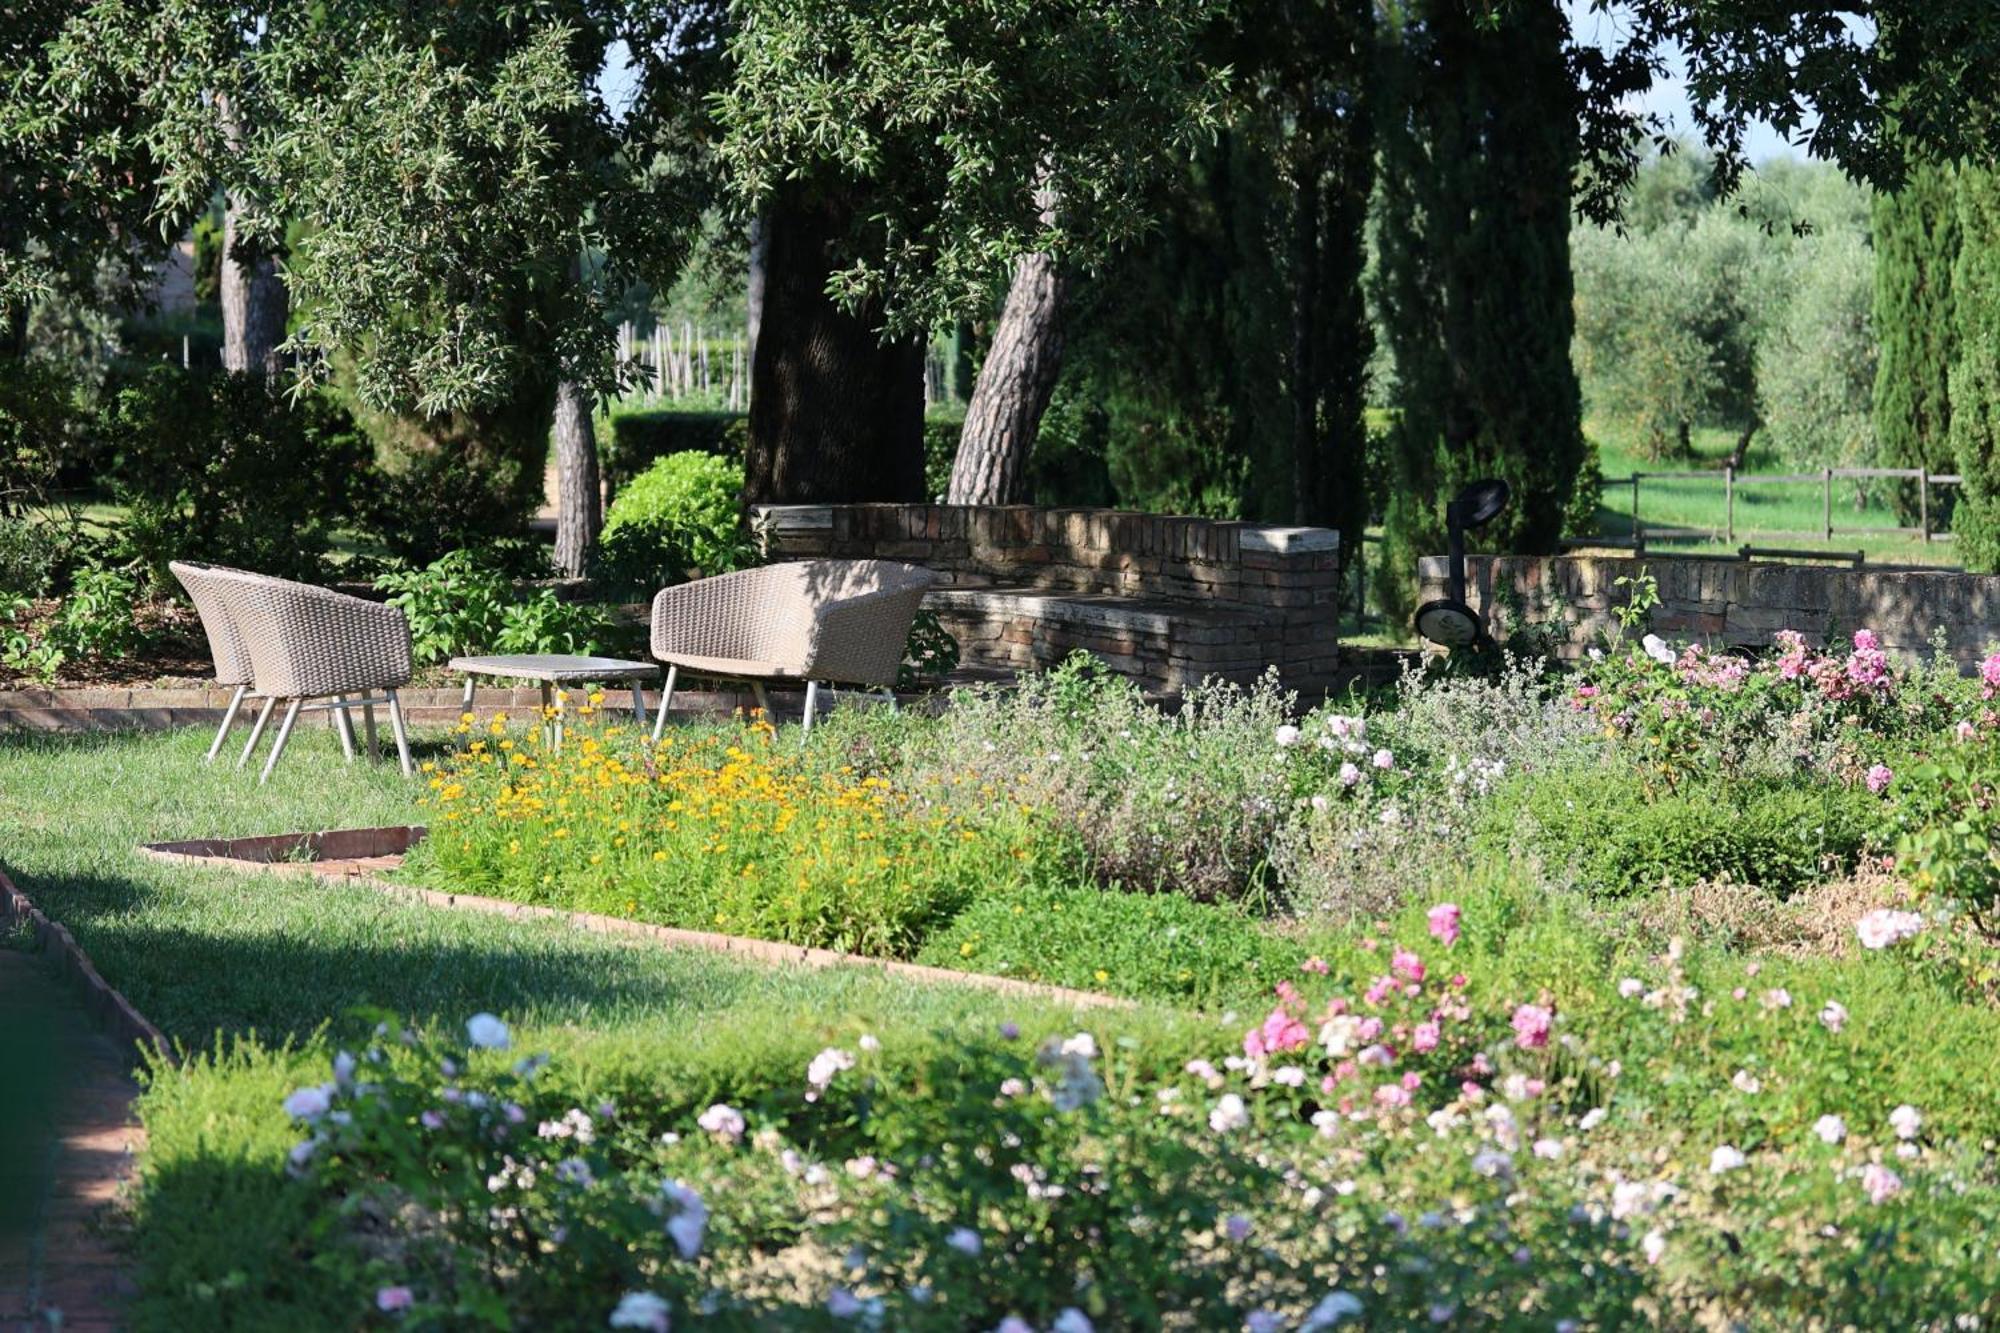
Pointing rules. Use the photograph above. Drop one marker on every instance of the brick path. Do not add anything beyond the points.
(66, 1144)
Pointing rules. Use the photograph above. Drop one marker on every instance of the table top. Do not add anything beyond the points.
(555, 667)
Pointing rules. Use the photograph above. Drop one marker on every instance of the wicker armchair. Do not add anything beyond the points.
(232, 656)
(313, 643)
(839, 621)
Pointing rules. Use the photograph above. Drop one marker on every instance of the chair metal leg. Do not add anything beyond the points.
(278, 744)
(344, 724)
(228, 721)
(666, 701)
(548, 714)
(368, 728)
(402, 737)
(256, 732)
(812, 697)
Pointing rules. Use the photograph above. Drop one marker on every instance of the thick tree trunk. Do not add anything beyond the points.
(836, 414)
(1306, 501)
(753, 286)
(1013, 388)
(254, 306)
(254, 301)
(579, 506)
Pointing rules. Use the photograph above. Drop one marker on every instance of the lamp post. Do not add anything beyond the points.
(1449, 621)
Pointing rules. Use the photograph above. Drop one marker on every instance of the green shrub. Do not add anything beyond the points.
(93, 623)
(636, 441)
(1602, 832)
(930, 655)
(680, 519)
(465, 603)
(1152, 946)
(216, 468)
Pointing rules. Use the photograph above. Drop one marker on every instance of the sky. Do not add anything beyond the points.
(1669, 97)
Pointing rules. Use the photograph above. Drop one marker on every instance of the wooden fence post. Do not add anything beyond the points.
(1729, 502)
(1924, 502)
(1826, 500)
(1635, 506)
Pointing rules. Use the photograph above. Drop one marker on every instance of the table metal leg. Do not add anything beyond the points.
(639, 702)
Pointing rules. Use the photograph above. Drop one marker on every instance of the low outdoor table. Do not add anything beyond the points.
(553, 669)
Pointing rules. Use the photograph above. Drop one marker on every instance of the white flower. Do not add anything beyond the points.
(1384, 760)
(1592, 1119)
(1287, 736)
(1072, 1320)
(1319, 803)
(1881, 1183)
(724, 1122)
(1905, 1121)
(1548, 1149)
(1332, 1309)
(1834, 1015)
(1886, 926)
(486, 1032)
(1656, 648)
(1327, 1123)
(309, 1103)
(1745, 1081)
(343, 1068)
(1012, 1087)
(690, 1219)
(1631, 987)
(861, 1167)
(1726, 1158)
(1082, 1044)
(641, 1309)
(1493, 1164)
(826, 1064)
(965, 1240)
(1654, 1245)
(1349, 774)
(1289, 1076)
(1830, 1128)
(1229, 1114)
(869, 1042)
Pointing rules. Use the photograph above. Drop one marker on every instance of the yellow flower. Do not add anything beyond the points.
(1103, 976)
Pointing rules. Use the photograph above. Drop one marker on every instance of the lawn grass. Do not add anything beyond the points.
(1698, 502)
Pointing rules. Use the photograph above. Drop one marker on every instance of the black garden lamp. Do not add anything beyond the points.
(1448, 621)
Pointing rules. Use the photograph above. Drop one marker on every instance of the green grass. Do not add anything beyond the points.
(1698, 502)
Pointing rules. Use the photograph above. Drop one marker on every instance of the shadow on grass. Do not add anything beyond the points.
(281, 957)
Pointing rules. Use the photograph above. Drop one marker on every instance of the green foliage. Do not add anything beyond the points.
(1474, 220)
(681, 518)
(465, 603)
(1608, 835)
(1816, 368)
(930, 656)
(216, 468)
(948, 120)
(93, 623)
(1160, 946)
(636, 439)
(1975, 373)
(1943, 810)
(1916, 242)
(207, 234)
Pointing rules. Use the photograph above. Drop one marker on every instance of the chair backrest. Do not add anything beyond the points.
(225, 642)
(309, 642)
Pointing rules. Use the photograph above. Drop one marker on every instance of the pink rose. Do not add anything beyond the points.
(391, 1300)
(1531, 1026)
(1443, 923)
(1879, 778)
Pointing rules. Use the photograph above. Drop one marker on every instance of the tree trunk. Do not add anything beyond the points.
(254, 301)
(836, 414)
(579, 506)
(753, 286)
(1306, 506)
(1013, 388)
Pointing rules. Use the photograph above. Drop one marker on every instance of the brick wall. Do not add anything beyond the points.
(1163, 598)
(1732, 602)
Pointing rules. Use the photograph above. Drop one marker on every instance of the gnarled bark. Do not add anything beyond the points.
(1013, 388)
(579, 505)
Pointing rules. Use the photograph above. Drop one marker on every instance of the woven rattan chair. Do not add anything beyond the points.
(225, 644)
(843, 622)
(310, 643)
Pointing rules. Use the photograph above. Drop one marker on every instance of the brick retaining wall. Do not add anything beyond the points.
(1165, 599)
(1731, 602)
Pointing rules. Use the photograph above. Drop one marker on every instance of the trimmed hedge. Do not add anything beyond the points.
(638, 439)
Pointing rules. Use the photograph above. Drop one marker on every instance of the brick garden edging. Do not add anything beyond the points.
(150, 708)
(352, 855)
(107, 1004)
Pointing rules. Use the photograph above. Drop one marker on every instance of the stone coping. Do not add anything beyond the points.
(361, 856)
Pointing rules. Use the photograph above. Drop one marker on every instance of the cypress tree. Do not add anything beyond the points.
(1474, 285)
(1975, 372)
(1916, 238)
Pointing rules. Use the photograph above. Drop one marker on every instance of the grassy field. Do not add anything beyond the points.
(1698, 502)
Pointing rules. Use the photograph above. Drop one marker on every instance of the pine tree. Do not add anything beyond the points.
(1916, 240)
(1474, 285)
